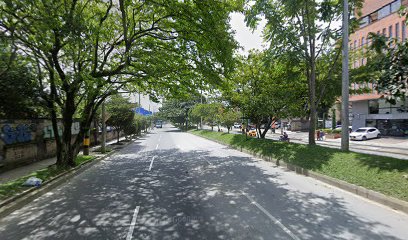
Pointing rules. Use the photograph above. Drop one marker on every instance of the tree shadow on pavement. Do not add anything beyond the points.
(186, 195)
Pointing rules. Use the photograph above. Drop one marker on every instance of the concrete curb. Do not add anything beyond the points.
(18, 201)
(374, 196)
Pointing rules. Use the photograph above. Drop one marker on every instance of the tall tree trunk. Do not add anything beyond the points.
(312, 80)
(68, 158)
(312, 100)
(57, 138)
(267, 127)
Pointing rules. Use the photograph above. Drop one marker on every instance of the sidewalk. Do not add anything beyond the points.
(386, 146)
(22, 171)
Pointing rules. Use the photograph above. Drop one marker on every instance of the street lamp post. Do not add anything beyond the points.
(345, 81)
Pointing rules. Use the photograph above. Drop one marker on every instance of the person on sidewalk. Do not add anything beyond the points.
(321, 136)
(284, 137)
(318, 135)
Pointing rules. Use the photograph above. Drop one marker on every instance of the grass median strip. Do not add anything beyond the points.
(14, 187)
(382, 174)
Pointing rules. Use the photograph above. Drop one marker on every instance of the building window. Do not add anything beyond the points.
(384, 32)
(385, 11)
(384, 107)
(404, 31)
(395, 6)
(373, 107)
(397, 31)
(364, 21)
(390, 31)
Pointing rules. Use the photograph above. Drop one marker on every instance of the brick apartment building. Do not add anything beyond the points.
(371, 109)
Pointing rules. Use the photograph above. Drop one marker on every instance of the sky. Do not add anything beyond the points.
(247, 38)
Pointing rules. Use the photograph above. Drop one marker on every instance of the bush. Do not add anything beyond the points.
(336, 131)
(327, 130)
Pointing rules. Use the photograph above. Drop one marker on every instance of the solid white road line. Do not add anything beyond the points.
(132, 224)
(274, 220)
(151, 163)
(157, 146)
(208, 162)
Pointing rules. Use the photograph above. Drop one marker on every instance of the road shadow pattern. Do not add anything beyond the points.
(187, 195)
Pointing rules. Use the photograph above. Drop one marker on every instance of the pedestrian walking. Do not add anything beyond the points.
(321, 136)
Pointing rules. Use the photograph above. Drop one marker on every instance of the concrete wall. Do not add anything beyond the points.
(299, 125)
(25, 141)
(360, 113)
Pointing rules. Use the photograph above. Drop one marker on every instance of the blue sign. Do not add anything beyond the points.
(142, 111)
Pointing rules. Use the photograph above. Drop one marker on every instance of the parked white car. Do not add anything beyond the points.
(237, 125)
(365, 133)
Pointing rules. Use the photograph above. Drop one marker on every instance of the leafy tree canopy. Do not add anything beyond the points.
(84, 51)
(387, 66)
(19, 95)
(303, 30)
(267, 91)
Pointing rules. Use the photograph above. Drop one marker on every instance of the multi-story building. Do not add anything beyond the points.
(370, 109)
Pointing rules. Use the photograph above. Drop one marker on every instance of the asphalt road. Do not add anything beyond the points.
(174, 185)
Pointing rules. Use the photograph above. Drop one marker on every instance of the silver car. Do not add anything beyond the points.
(365, 133)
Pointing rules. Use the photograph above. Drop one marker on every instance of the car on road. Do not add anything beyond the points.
(237, 125)
(365, 133)
(159, 124)
(252, 132)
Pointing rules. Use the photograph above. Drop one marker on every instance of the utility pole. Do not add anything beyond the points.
(103, 144)
(345, 141)
(201, 118)
(140, 104)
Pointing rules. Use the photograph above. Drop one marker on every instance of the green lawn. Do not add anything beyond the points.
(382, 174)
(13, 187)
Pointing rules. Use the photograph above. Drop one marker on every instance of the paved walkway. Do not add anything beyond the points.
(16, 173)
(386, 146)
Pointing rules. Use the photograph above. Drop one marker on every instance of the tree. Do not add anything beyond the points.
(18, 86)
(195, 114)
(121, 113)
(175, 110)
(210, 112)
(303, 29)
(228, 117)
(267, 91)
(387, 65)
(84, 51)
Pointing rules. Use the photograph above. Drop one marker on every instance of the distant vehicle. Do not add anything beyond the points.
(365, 133)
(159, 124)
(237, 125)
(252, 132)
